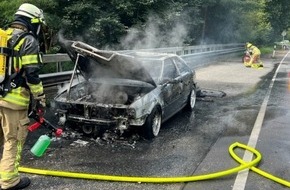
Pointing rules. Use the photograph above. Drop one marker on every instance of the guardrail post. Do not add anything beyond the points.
(58, 67)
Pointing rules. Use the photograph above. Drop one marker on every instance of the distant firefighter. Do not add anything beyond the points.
(254, 53)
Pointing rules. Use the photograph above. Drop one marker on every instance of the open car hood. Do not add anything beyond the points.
(95, 63)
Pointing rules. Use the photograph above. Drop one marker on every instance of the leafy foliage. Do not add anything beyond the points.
(279, 17)
(229, 21)
(127, 24)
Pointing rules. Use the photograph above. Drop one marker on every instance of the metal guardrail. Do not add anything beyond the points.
(54, 79)
(191, 54)
(204, 58)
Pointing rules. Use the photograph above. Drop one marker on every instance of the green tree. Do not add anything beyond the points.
(108, 24)
(257, 26)
(279, 16)
(167, 23)
(7, 10)
(231, 21)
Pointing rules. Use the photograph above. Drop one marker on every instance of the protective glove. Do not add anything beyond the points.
(41, 101)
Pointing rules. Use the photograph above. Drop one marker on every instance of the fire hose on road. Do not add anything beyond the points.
(138, 179)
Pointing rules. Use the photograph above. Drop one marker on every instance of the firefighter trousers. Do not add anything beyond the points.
(14, 131)
(255, 59)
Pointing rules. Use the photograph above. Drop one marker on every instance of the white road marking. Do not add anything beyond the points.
(242, 176)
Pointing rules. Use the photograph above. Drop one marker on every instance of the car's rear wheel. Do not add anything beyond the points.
(152, 124)
(191, 100)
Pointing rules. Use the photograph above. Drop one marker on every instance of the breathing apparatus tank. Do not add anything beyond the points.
(3, 55)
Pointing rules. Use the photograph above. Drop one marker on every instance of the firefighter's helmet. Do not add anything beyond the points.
(37, 23)
(249, 44)
(31, 11)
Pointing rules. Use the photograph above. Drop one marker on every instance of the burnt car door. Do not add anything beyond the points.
(185, 78)
(170, 88)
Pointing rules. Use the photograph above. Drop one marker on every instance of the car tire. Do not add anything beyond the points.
(152, 124)
(191, 100)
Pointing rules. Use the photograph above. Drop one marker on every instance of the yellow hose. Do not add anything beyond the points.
(137, 179)
(261, 172)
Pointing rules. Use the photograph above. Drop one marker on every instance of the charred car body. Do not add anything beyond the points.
(119, 91)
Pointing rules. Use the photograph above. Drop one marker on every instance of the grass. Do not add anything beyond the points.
(266, 49)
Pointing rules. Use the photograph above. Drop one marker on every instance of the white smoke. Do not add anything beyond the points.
(154, 35)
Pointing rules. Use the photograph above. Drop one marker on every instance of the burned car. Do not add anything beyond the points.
(120, 91)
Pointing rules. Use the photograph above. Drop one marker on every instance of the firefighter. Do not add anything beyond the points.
(24, 86)
(255, 61)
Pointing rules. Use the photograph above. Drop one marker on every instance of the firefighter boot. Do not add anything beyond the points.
(257, 65)
(24, 182)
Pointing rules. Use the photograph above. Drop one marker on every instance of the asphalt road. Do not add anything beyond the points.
(189, 143)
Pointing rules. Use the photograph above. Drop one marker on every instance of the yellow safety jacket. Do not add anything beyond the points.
(255, 50)
(26, 66)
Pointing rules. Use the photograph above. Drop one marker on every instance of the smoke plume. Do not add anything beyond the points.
(155, 34)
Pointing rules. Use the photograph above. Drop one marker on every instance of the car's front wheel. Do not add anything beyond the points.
(152, 124)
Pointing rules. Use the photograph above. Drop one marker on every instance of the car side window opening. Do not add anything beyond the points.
(182, 68)
(169, 71)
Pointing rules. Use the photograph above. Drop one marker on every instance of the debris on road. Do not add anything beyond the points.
(207, 95)
(79, 143)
